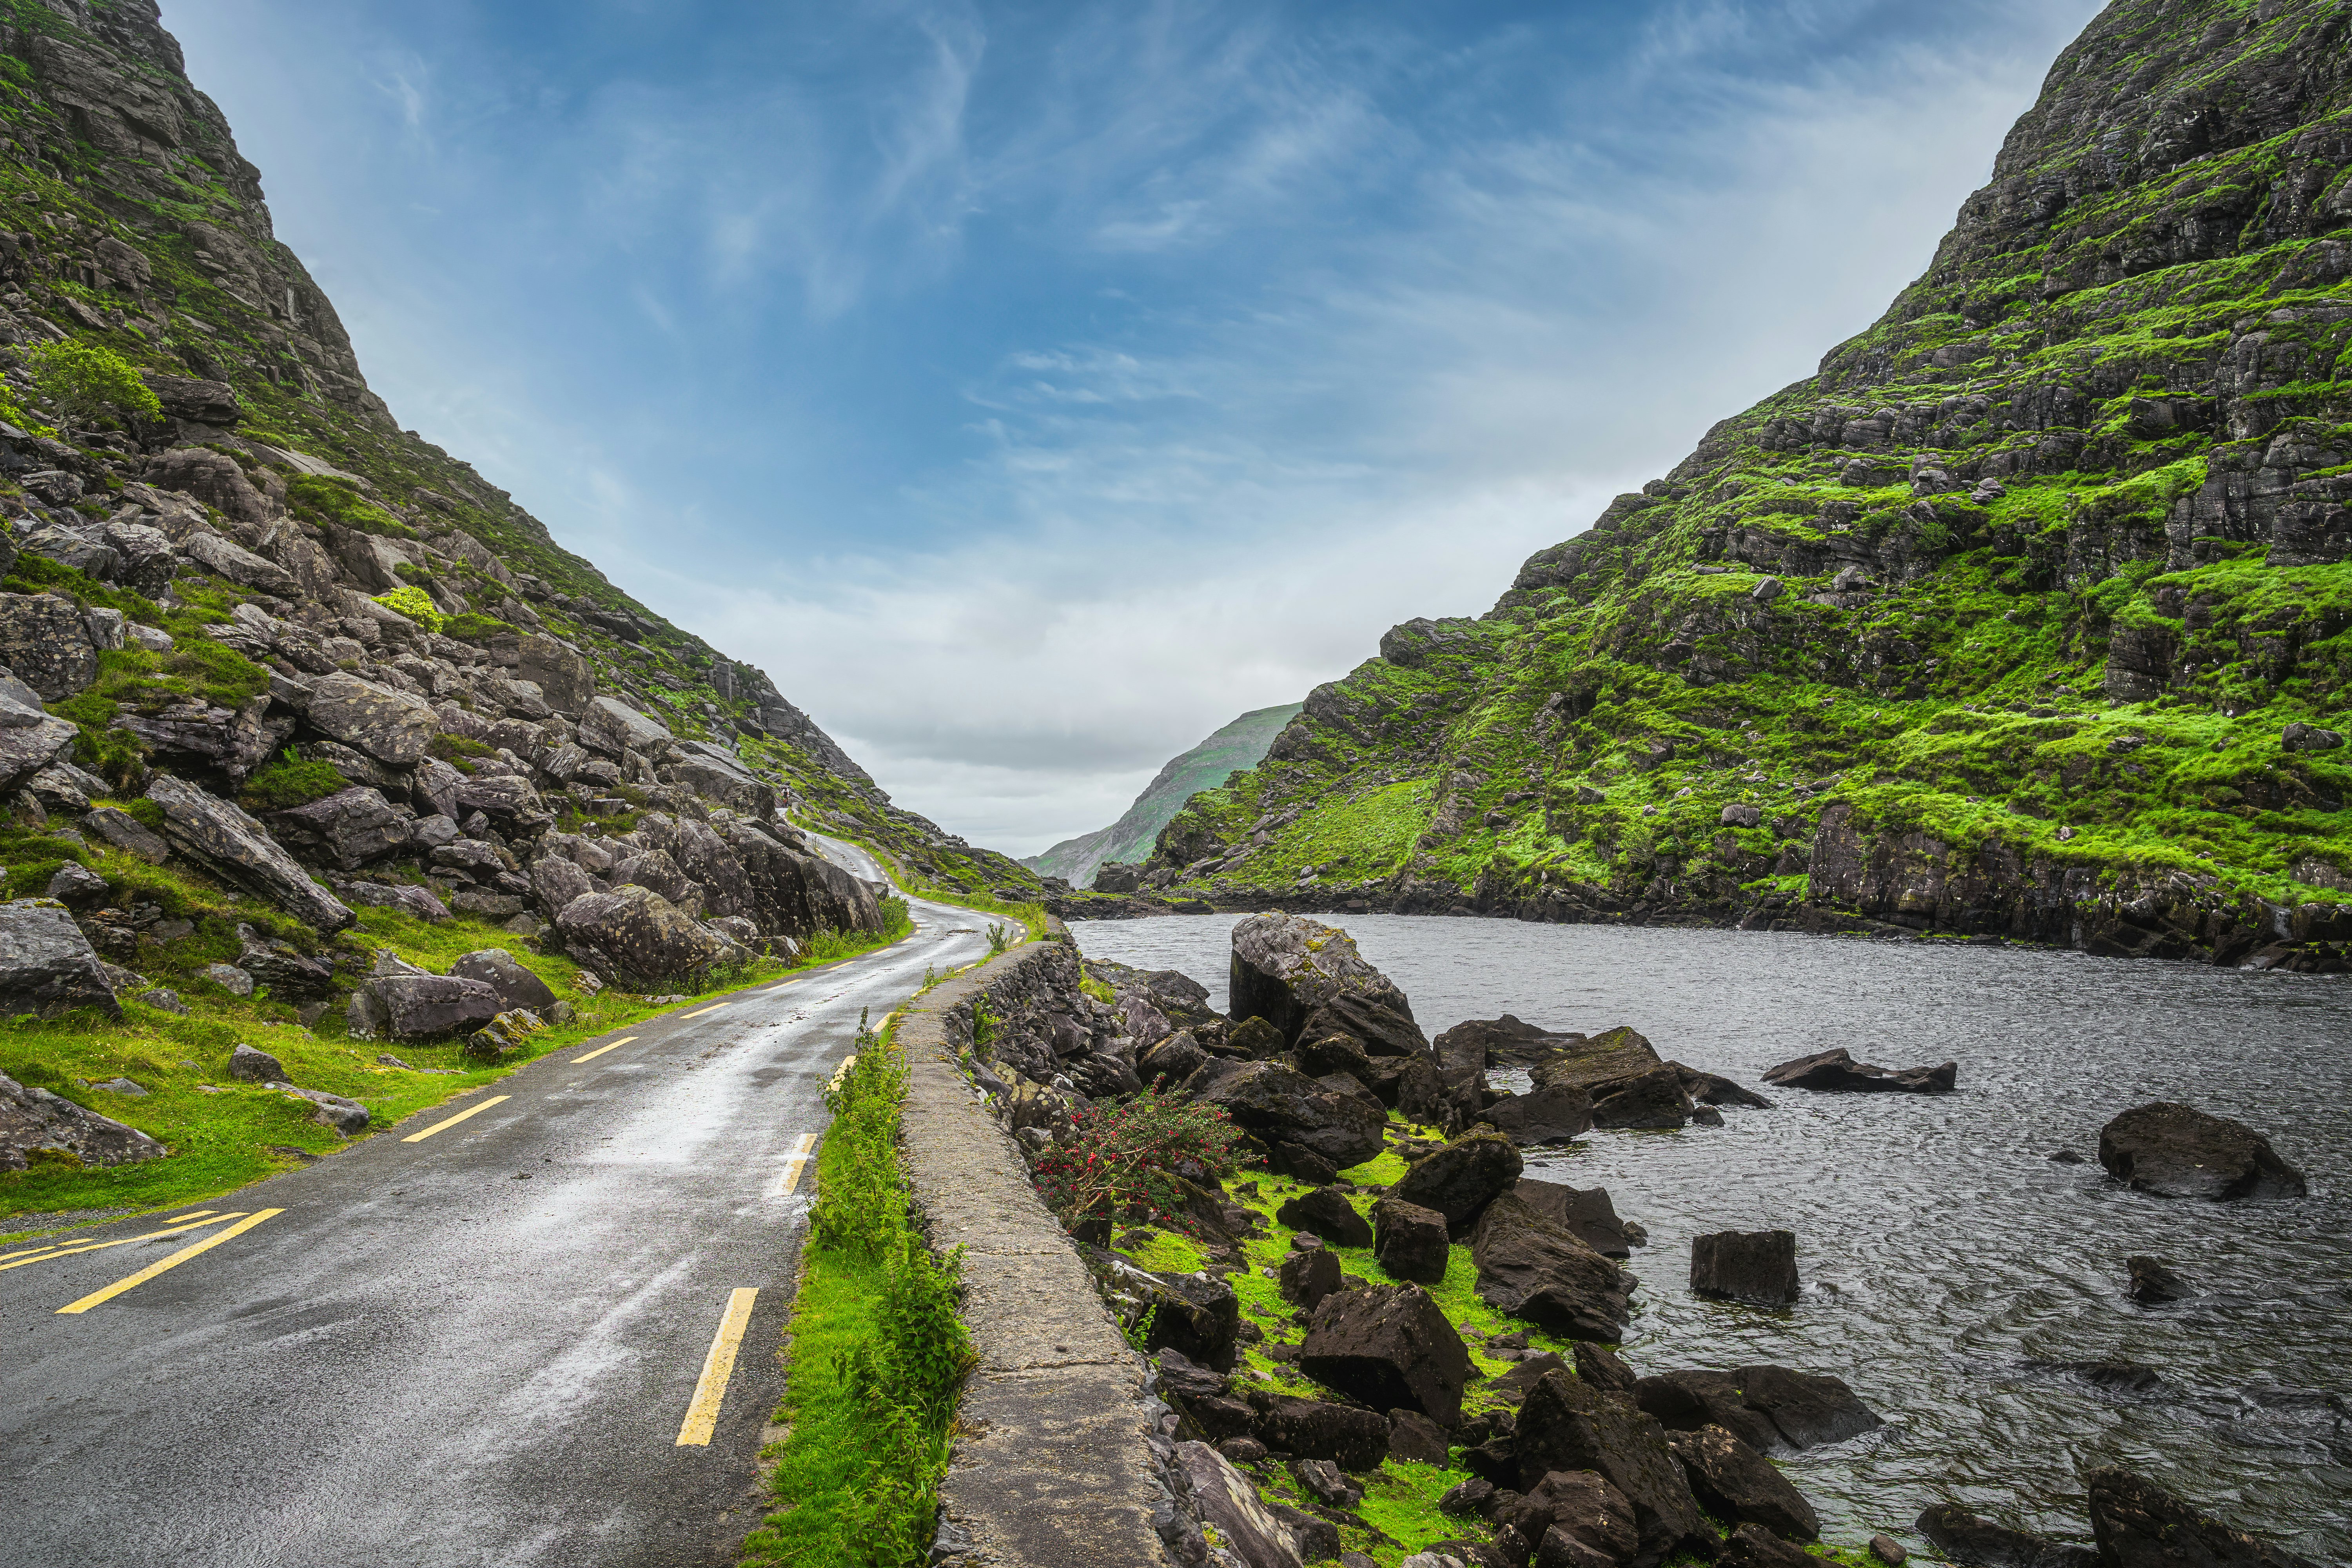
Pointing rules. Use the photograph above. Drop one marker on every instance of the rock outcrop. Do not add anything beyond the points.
(2178, 1151)
(39, 1128)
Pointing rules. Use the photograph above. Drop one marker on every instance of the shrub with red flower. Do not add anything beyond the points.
(1130, 1160)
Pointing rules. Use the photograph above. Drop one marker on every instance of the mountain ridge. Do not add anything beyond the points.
(2024, 616)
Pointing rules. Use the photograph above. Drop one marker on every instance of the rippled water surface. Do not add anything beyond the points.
(1947, 1261)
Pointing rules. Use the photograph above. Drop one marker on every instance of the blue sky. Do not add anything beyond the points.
(1031, 388)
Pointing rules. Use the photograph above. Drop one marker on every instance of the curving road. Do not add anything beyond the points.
(480, 1346)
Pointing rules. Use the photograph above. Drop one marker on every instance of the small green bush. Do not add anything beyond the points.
(414, 603)
(478, 629)
(90, 384)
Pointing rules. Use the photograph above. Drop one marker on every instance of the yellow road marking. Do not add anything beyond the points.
(77, 1247)
(706, 1011)
(445, 1126)
(702, 1414)
(599, 1050)
(153, 1270)
(793, 1163)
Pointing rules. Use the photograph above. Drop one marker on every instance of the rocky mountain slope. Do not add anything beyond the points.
(286, 685)
(2027, 614)
(1240, 744)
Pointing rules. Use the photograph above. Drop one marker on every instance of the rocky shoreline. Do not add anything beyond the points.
(1376, 1333)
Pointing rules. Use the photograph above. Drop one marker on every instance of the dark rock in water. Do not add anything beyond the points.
(1734, 1481)
(1585, 1212)
(1285, 968)
(36, 1126)
(1381, 1027)
(1713, 1088)
(1753, 1546)
(1410, 1241)
(2139, 1524)
(1533, 1268)
(1584, 1521)
(1311, 1429)
(1197, 1314)
(1603, 1368)
(1705, 1116)
(1504, 1042)
(47, 964)
(1461, 1178)
(1307, 1276)
(2153, 1281)
(517, 986)
(1325, 1213)
(1551, 1115)
(1591, 1063)
(1389, 1346)
(1648, 1100)
(1979, 1542)
(1769, 1408)
(2177, 1151)
(1758, 1267)
(1889, 1551)
(1414, 1438)
(1564, 1425)
(248, 1065)
(1837, 1070)
(1281, 1105)
(2065, 1157)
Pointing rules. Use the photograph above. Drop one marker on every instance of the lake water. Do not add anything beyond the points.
(1947, 1261)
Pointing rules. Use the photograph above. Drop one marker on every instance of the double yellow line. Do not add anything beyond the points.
(196, 1221)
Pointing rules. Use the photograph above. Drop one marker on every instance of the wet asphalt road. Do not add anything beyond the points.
(480, 1348)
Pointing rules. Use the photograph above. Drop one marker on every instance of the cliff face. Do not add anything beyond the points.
(2026, 613)
(202, 596)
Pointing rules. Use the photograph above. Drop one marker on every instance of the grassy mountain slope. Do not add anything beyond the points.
(1240, 744)
(2001, 622)
(141, 228)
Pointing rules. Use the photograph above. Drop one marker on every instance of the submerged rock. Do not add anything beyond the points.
(2153, 1280)
(2139, 1524)
(2177, 1151)
(1977, 1542)
(1837, 1070)
(1758, 1267)
(1770, 1408)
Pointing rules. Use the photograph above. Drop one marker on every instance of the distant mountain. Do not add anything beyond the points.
(1240, 744)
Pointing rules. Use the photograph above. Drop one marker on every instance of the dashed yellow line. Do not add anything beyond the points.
(445, 1126)
(76, 1248)
(718, 1367)
(98, 1297)
(795, 1164)
(599, 1050)
(706, 1012)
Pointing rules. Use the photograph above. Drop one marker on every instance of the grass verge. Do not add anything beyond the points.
(879, 1355)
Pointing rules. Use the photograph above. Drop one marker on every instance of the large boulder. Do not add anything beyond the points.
(1553, 1115)
(1323, 1211)
(126, 833)
(1769, 1408)
(1195, 1314)
(39, 1127)
(1314, 1429)
(1536, 1270)
(2177, 1151)
(561, 671)
(225, 559)
(2139, 1524)
(408, 900)
(1503, 1042)
(1250, 1529)
(1585, 1212)
(30, 741)
(1461, 1178)
(1390, 1348)
(1307, 1275)
(1410, 1241)
(1652, 1098)
(1581, 1522)
(45, 641)
(517, 986)
(1584, 1062)
(46, 965)
(350, 827)
(610, 726)
(1286, 966)
(1280, 1105)
(1979, 1542)
(1838, 1071)
(1736, 1482)
(720, 776)
(211, 476)
(233, 847)
(639, 938)
(1758, 1267)
(1564, 1425)
(421, 1007)
(556, 880)
(1381, 1024)
(390, 726)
